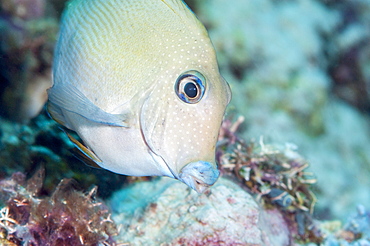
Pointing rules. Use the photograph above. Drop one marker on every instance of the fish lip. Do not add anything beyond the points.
(199, 175)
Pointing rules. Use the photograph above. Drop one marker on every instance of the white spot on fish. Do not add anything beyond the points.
(114, 85)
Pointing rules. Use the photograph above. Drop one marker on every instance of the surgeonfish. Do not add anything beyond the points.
(138, 81)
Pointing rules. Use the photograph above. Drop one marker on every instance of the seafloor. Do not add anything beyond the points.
(294, 150)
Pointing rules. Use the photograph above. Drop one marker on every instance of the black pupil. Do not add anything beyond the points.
(191, 90)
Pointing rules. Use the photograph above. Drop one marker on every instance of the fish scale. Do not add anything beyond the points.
(122, 73)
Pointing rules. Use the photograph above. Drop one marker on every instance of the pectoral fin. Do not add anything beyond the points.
(56, 114)
(69, 98)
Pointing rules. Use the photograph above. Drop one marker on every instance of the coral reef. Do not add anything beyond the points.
(277, 178)
(26, 47)
(264, 197)
(292, 66)
(349, 53)
(355, 232)
(24, 9)
(279, 58)
(166, 212)
(23, 148)
(68, 217)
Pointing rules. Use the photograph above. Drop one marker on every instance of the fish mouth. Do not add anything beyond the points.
(199, 175)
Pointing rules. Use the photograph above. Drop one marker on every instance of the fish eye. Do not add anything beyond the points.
(190, 86)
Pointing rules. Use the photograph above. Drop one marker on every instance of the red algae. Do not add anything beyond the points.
(68, 217)
(276, 177)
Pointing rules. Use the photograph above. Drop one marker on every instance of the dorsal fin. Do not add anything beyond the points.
(181, 9)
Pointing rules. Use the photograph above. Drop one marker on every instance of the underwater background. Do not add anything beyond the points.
(294, 149)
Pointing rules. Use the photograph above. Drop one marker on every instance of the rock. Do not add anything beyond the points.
(166, 212)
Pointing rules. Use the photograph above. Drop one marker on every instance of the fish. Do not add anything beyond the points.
(139, 82)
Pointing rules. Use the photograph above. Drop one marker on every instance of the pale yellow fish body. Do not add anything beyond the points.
(116, 69)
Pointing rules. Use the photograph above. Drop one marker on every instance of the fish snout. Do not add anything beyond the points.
(199, 175)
